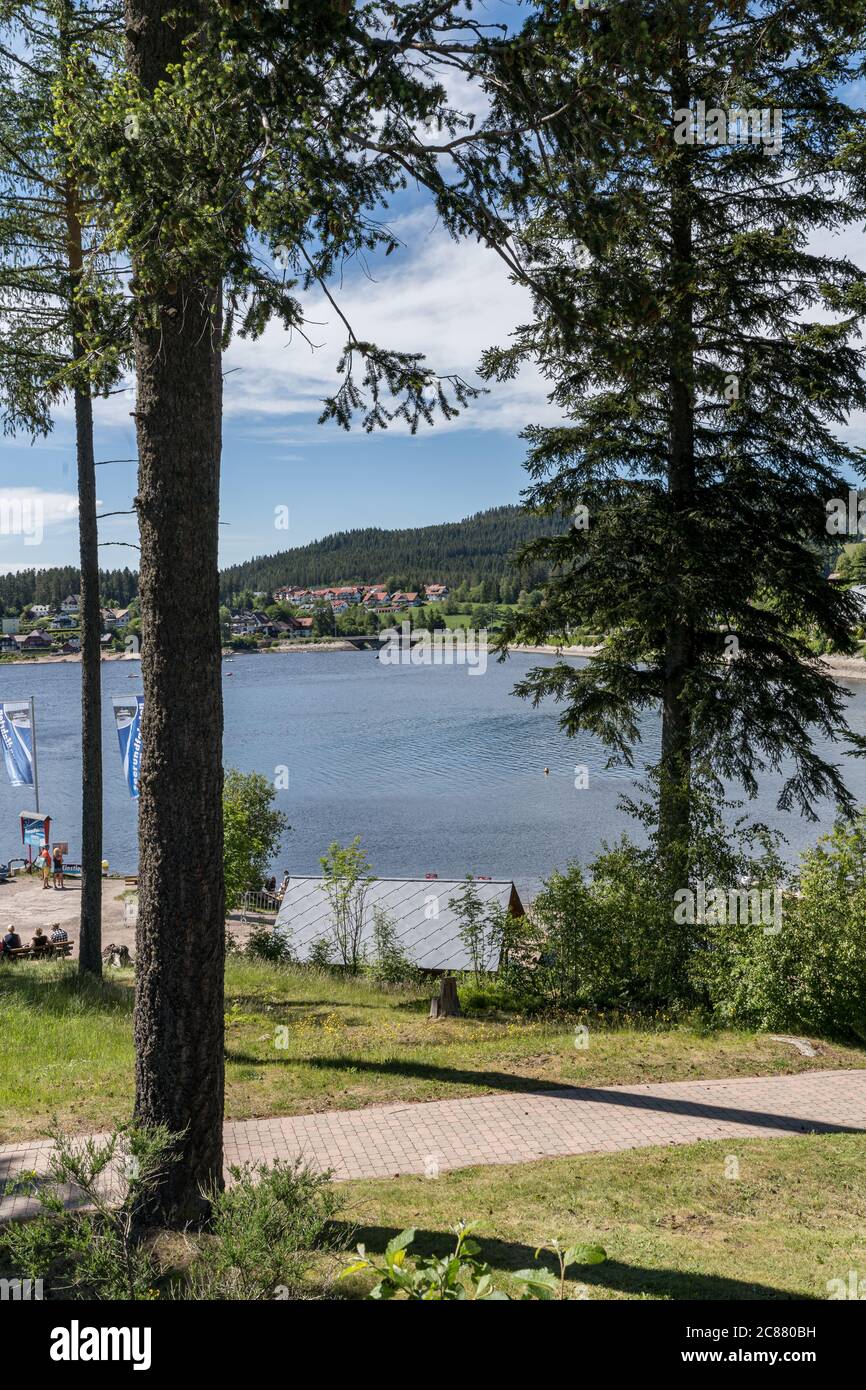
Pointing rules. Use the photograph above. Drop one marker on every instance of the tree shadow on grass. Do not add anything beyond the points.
(615, 1275)
(56, 989)
(416, 1071)
(625, 1098)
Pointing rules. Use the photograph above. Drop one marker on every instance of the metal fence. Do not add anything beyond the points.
(259, 905)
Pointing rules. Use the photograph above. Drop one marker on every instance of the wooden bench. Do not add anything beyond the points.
(54, 948)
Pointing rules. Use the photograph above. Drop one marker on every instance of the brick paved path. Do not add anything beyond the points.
(517, 1126)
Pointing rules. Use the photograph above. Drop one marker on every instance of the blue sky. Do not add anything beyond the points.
(448, 301)
(432, 296)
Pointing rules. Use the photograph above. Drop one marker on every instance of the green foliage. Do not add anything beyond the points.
(701, 340)
(607, 938)
(809, 977)
(96, 1253)
(478, 547)
(346, 878)
(851, 564)
(262, 1230)
(482, 929)
(257, 1245)
(389, 965)
(263, 943)
(462, 1275)
(252, 831)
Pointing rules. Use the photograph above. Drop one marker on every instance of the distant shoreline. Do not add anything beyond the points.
(842, 668)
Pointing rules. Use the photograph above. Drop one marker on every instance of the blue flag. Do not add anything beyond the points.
(16, 737)
(127, 717)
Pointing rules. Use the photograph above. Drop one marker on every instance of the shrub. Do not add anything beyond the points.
(481, 929)
(263, 1228)
(810, 976)
(263, 943)
(257, 1246)
(390, 964)
(96, 1253)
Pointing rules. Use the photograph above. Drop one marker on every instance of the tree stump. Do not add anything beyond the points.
(446, 1004)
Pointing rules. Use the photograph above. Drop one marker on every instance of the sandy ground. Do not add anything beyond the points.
(60, 659)
(844, 668)
(26, 905)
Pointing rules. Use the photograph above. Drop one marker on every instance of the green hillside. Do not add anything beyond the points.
(479, 547)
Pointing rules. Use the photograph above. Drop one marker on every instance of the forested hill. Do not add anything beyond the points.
(52, 586)
(478, 548)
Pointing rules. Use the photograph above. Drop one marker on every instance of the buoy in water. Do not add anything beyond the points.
(547, 772)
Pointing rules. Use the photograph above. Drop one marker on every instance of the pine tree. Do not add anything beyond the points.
(49, 270)
(238, 128)
(703, 354)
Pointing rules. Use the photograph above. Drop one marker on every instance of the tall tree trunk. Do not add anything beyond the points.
(181, 921)
(676, 741)
(90, 921)
(90, 930)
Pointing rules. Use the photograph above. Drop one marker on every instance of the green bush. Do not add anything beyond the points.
(263, 943)
(262, 1230)
(257, 1245)
(390, 965)
(810, 976)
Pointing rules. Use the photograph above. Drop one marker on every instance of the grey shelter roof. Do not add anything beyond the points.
(427, 928)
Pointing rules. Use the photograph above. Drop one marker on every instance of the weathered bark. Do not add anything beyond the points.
(90, 920)
(676, 743)
(90, 928)
(181, 920)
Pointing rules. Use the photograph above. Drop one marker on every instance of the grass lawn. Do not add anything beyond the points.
(346, 1044)
(673, 1225)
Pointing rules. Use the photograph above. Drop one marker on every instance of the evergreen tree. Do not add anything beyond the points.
(50, 271)
(236, 128)
(702, 353)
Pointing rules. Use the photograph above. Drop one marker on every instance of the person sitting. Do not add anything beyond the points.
(58, 934)
(39, 941)
(11, 941)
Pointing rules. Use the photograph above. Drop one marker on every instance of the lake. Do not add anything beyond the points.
(438, 770)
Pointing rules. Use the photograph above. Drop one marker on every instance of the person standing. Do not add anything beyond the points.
(45, 863)
(58, 868)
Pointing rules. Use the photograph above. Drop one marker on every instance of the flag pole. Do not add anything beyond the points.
(33, 742)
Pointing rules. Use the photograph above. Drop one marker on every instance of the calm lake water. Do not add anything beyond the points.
(438, 770)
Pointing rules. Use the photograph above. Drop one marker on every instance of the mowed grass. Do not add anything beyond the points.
(299, 1041)
(673, 1224)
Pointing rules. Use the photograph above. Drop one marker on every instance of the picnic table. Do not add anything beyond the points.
(54, 948)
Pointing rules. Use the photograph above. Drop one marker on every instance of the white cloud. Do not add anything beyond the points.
(448, 300)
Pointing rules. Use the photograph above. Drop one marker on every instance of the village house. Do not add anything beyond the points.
(70, 604)
(35, 641)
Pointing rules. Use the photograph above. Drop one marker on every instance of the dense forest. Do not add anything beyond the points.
(479, 547)
(52, 586)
